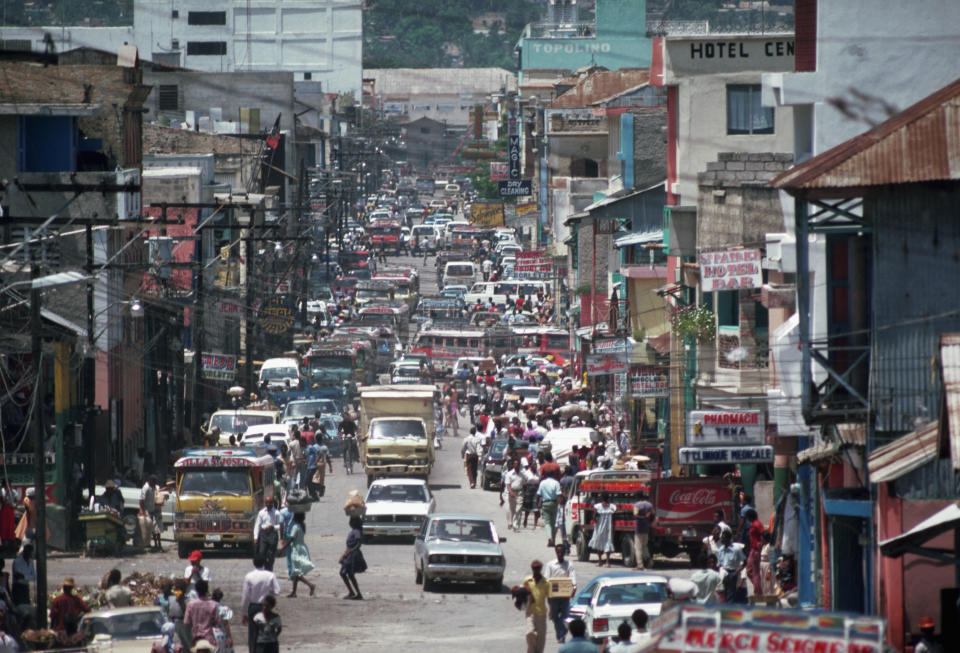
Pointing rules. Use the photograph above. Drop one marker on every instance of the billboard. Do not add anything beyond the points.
(649, 381)
(486, 214)
(602, 364)
(218, 367)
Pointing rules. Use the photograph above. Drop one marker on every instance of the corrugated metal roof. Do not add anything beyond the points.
(942, 521)
(637, 238)
(950, 364)
(922, 143)
(441, 81)
(602, 85)
(904, 454)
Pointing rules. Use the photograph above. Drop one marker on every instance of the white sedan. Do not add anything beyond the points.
(397, 507)
(614, 599)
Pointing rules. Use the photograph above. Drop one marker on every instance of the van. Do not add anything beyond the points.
(426, 237)
(280, 374)
(464, 272)
(481, 292)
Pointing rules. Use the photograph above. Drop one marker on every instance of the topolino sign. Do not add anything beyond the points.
(707, 428)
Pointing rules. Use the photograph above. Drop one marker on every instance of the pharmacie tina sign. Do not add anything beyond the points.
(709, 428)
(730, 270)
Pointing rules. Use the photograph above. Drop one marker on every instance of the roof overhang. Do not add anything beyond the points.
(941, 522)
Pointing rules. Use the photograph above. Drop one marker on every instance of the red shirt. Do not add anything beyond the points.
(62, 606)
(550, 469)
(756, 535)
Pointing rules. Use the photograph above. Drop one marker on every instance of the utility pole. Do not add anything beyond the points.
(89, 375)
(39, 480)
(197, 326)
(251, 314)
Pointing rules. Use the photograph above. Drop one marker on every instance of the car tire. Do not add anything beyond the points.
(428, 585)
(496, 585)
(485, 483)
(583, 550)
(418, 575)
(183, 549)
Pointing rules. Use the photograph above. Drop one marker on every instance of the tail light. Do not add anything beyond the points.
(600, 624)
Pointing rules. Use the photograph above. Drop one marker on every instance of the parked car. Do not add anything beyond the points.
(458, 547)
(491, 464)
(124, 630)
(397, 507)
(613, 601)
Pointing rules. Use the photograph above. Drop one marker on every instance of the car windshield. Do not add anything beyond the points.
(460, 271)
(629, 593)
(401, 493)
(231, 423)
(125, 626)
(528, 393)
(215, 481)
(497, 447)
(407, 370)
(462, 530)
(401, 428)
(373, 294)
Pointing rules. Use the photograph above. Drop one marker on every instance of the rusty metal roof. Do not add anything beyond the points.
(905, 454)
(919, 144)
(601, 85)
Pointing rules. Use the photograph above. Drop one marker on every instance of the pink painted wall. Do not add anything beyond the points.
(909, 586)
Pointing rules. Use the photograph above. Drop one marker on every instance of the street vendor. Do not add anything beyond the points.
(111, 496)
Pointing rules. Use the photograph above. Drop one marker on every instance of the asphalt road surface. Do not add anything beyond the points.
(396, 615)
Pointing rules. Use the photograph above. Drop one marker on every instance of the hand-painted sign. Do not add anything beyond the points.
(725, 455)
(602, 364)
(649, 381)
(219, 367)
(276, 315)
(730, 270)
(515, 188)
(707, 428)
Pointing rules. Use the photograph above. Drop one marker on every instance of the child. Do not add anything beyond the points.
(268, 627)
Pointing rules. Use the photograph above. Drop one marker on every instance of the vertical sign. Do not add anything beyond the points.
(513, 151)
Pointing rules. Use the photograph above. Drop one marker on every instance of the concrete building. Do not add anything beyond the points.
(441, 94)
(316, 40)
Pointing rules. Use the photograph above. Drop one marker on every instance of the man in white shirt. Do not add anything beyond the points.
(560, 568)
(513, 484)
(470, 452)
(296, 457)
(266, 533)
(257, 585)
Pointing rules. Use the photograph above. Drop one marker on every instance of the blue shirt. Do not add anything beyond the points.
(312, 452)
(549, 489)
(287, 516)
(731, 557)
(578, 645)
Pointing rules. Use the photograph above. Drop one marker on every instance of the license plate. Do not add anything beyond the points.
(214, 538)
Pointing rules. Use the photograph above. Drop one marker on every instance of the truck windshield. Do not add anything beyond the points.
(397, 429)
(215, 481)
(278, 373)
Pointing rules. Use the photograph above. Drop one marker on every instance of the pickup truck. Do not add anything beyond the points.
(683, 507)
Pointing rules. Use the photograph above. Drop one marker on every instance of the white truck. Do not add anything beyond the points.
(397, 431)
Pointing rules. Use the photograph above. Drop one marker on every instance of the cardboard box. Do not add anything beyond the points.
(560, 588)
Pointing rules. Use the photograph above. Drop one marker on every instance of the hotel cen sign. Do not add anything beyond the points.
(703, 56)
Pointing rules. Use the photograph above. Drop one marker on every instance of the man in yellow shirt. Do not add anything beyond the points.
(538, 587)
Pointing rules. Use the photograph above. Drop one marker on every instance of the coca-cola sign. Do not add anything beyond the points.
(690, 502)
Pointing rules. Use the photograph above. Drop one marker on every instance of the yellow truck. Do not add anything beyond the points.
(397, 430)
(219, 493)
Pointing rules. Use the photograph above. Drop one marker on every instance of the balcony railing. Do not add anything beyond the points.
(581, 30)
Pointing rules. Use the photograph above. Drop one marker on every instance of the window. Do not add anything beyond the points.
(176, 13)
(728, 308)
(197, 48)
(307, 77)
(207, 18)
(745, 114)
(167, 97)
(47, 143)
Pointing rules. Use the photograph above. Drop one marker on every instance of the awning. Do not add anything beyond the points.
(941, 522)
(905, 454)
(950, 366)
(638, 238)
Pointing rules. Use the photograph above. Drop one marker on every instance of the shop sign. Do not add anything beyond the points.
(226, 307)
(730, 270)
(524, 209)
(498, 170)
(49, 458)
(513, 154)
(725, 427)
(603, 364)
(611, 346)
(276, 315)
(648, 382)
(218, 367)
(486, 214)
(725, 455)
(515, 188)
(707, 639)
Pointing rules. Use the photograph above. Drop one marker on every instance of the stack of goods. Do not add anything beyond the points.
(354, 505)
